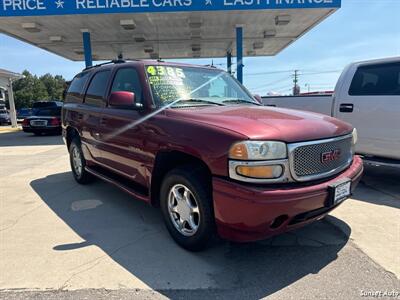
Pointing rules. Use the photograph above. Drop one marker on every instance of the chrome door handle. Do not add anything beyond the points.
(346, 108)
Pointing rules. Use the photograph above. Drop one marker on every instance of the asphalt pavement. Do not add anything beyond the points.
(61, 240)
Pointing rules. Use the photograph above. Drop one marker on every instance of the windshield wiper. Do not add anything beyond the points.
(199, 101)
(239, 101)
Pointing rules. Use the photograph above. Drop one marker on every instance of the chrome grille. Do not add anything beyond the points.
(307, 158)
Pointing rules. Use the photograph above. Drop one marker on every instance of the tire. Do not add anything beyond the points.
(75, 155)
(199, 212)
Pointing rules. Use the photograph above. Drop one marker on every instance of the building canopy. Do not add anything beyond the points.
(5, 77)
(161, 28)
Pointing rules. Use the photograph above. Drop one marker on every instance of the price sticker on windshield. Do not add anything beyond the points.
(162, 71)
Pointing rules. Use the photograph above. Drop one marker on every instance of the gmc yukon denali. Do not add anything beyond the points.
(193, 141)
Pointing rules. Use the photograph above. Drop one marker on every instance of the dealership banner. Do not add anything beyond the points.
(12, 8)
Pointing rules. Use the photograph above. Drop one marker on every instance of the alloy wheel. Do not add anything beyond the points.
(183, 210)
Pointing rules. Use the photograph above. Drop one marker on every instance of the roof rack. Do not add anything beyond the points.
(115, 61)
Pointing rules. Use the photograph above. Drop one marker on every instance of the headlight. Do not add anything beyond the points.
(257, 150)
(355, 137)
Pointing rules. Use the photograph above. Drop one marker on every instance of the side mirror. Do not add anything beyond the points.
(258, 98)
(124, 99)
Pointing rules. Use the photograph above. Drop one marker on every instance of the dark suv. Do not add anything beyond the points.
(193, 141)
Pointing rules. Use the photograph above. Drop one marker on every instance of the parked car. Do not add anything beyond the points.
(367, 95)
(4, 117)
(194, 142)
(23, 113)
(45, 120)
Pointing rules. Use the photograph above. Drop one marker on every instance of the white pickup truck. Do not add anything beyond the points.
(367, 95)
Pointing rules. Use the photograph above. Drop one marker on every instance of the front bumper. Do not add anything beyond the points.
(248, 213)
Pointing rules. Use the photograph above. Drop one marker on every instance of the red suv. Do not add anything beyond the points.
(193, 141)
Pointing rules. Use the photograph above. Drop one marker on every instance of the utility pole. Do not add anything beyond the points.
(296, 88)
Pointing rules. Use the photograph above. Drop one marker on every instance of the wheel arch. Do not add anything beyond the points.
(71, 133)
(168, 160)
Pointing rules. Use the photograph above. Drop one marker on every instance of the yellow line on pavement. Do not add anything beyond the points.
(9, 129)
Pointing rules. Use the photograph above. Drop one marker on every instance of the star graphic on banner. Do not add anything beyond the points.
(60, 4)
(208, 2)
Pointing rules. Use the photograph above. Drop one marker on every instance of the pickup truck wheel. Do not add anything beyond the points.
(78, 163)
(186, 205)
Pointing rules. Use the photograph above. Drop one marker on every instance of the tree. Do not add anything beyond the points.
(54, 86)
(32, 88)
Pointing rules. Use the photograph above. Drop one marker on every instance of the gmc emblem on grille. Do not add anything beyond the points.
(331, 155)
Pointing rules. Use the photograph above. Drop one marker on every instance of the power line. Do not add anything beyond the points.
(268, 73)
(269, 84)
(272, 83)
(318, 73)
(290, 71)
(279, 87)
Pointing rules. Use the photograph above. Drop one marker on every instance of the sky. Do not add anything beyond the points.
(359, 30)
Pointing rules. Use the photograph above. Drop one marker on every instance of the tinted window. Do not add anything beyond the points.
(78, 83)
(127, 80)
(49, 112)
(44, 104)
(97, 88)
(376, 80)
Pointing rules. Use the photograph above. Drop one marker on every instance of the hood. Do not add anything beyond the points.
(260, 122)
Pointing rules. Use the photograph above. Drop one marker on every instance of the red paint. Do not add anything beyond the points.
(243, 211)
(121, 99)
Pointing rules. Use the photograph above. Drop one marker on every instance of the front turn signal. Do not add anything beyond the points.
(260, 172)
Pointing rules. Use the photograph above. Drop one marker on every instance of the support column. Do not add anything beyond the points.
(13, 112)
(229, 61)
(87, 47)
(239, 53)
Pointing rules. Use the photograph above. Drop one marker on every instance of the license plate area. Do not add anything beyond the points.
(38, 123)
(339, 191)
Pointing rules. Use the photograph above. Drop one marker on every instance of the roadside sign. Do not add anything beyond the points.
(13, 8)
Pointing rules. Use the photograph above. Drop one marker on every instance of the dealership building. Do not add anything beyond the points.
(88, 30)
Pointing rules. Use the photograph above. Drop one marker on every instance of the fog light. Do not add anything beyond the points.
(268, 172)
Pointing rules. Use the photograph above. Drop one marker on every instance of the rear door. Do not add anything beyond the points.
(370, 100)
(122, 130)
(91, 110)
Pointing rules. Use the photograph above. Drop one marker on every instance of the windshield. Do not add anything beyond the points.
(182, 86)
